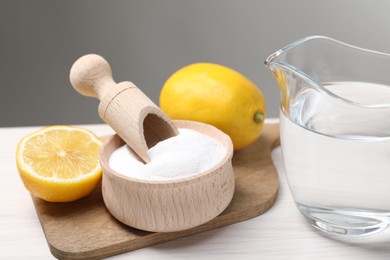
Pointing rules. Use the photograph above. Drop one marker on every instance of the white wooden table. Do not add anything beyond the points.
(280, 233)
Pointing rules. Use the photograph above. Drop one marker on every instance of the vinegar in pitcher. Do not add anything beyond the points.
(337, 156)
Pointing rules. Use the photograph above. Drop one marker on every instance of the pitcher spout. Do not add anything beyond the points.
(280, 78)
(288, 66)
(322, 81)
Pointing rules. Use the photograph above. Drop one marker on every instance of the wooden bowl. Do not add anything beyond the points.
(166, 206)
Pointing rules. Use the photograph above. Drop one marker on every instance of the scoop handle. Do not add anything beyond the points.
(123, 106)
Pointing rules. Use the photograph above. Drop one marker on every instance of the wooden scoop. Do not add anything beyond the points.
(134, 117)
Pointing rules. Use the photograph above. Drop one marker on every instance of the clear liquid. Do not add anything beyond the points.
(337, 158)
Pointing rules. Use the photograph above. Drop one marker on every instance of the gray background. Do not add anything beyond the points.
(146, 41)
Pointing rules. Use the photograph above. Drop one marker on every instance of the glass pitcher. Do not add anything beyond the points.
(335, 133)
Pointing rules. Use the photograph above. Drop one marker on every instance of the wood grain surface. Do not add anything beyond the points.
(84, 229)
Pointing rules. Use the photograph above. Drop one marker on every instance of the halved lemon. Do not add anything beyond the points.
(59, 163)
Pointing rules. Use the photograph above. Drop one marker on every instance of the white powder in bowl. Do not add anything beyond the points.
(189, 153)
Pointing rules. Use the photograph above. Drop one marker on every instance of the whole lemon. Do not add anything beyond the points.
(216, 95)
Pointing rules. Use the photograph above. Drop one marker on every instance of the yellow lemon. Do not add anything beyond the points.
(216, 95)
(59, 163)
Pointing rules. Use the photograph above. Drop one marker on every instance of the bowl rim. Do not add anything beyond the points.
(196, 178)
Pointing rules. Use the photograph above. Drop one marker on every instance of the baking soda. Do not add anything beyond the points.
(187, 154)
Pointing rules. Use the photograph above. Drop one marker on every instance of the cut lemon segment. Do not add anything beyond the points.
(59, 163)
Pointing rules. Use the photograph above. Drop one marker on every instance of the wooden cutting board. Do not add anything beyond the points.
(84, 229)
